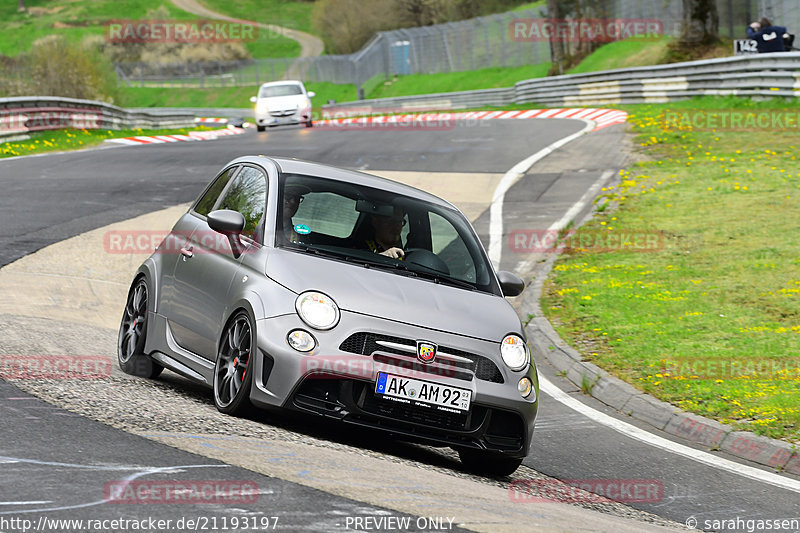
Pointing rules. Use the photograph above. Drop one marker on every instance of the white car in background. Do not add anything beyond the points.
(282, 102)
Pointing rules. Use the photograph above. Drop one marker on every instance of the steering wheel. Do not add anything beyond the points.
(426, 258)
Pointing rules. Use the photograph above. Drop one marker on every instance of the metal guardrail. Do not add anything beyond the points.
(427, 102)
(20, 116)
(221, 112)
(763, 75)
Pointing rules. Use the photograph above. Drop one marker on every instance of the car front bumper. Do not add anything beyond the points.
(339, 384)
(298, 117)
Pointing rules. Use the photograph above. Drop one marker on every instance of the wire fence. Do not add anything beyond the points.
(457, 46)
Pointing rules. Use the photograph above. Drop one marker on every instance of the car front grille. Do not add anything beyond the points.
(283, 113)
(483, 368)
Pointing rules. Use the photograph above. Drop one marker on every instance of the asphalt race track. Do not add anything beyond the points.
(313, 477)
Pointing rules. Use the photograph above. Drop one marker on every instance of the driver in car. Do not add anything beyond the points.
(386, 237)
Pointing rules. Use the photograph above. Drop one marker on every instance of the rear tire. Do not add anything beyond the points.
(488, 463)
(133, 334)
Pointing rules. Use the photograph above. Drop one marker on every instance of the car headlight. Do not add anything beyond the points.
(514, 352)
(261, 107)
(317, 310)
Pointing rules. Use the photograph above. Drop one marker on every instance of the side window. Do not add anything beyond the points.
(206, 204)
(247, 195)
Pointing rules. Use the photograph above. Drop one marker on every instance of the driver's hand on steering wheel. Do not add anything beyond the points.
(394, 253)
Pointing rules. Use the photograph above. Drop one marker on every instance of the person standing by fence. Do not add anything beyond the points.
(770, 38)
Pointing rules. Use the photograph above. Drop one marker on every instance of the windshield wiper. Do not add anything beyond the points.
(442, 278)
(344, 256)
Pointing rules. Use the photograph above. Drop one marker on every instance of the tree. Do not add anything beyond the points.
(700, 23)
(556, 11)
(20, 5)
(566, 52)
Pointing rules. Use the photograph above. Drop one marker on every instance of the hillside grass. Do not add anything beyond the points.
(78, 19)
(295, 15)
(709, 320)
(624, 54)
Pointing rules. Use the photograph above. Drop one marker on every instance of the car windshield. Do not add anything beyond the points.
(289, 89)
(348, 222)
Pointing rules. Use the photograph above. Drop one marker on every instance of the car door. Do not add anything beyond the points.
(172, 247)
(203, 275)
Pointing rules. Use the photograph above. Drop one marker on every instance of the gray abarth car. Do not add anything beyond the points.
(280, 288)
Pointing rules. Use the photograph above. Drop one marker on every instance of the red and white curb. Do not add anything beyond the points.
(210, 120)
(602, 117)
(191, 136)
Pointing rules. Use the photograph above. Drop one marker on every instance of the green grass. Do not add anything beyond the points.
(532, 5)
(404, 85)
(295, 15)
(226, 97)
(488, 78)
(623, 54)
(723, 290)
(77, 19)
(62, 140)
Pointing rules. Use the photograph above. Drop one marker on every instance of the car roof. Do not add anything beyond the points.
(283, 82)
(309, 168)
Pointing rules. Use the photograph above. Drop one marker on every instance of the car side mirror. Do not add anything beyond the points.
(311, 94)
(229, 223)
(510, 284)
(254, 99)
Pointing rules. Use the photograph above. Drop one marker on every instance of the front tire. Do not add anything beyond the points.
(233, 374)
(309, 123)
(488, 463)
(261, 128)
(133, 334)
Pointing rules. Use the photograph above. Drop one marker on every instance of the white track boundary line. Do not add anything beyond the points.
(511, 177)
(570, 215)
(641, 435)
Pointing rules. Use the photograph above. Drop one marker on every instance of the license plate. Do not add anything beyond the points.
(415, 391)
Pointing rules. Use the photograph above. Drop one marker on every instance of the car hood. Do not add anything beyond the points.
(280, 103)
(385, 294)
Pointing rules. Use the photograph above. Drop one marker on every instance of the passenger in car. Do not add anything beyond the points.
(386, 237)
